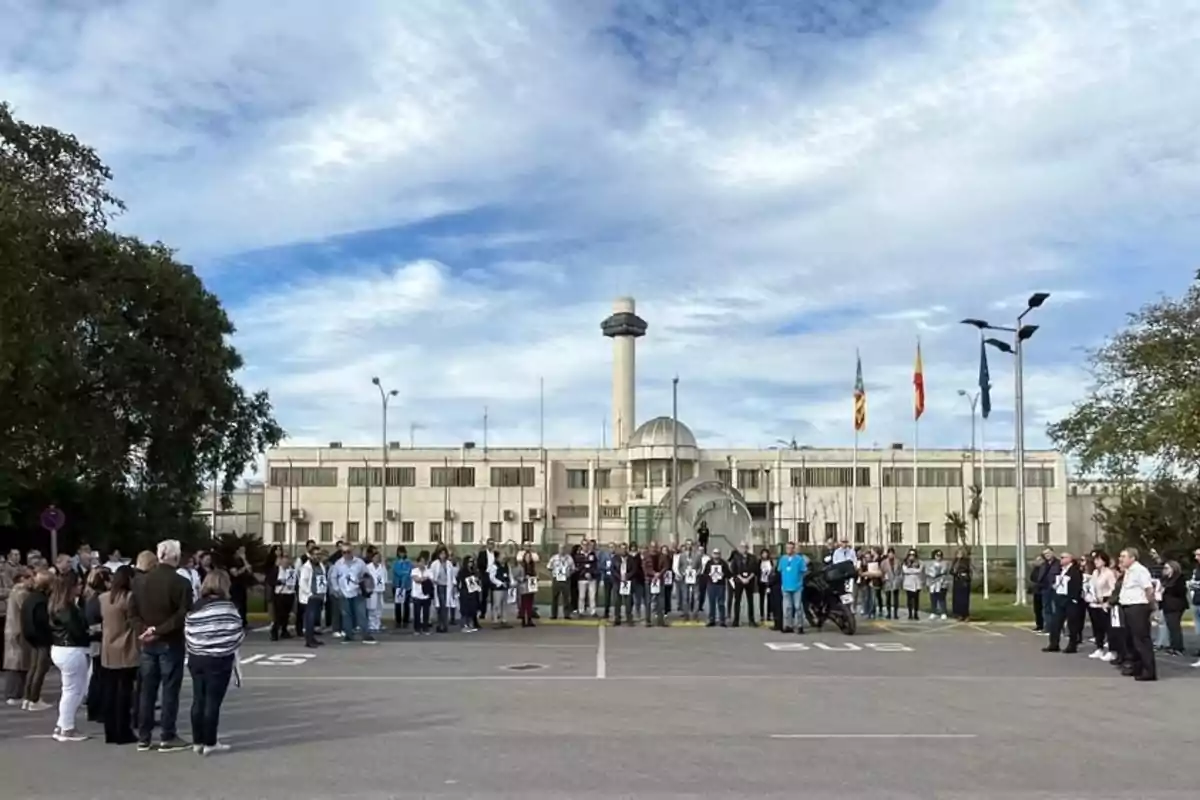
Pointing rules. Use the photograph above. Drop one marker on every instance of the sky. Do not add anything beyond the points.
(449, 195)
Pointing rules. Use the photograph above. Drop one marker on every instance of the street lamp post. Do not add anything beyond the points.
(981, 525)
(1020, 332)
(385, 396)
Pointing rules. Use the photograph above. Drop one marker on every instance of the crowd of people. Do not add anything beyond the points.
(119, 635)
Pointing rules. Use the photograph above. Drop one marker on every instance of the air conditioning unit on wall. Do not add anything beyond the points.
(298, 513)
(449, 516)
(510, 515)
(535, 514)
(392, 515)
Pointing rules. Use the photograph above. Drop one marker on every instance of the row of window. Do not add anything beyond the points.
(660, 476)
(464, 534)
(896, 533)
(581, 512)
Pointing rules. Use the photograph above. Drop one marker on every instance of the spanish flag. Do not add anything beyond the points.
(860, 397)
(918, 385)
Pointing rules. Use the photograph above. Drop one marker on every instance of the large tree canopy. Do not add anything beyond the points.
(117, 382)
(1145, 406)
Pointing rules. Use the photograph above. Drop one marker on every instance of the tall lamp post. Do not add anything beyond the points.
(973, 399)
(1020, 333)
(385, 396)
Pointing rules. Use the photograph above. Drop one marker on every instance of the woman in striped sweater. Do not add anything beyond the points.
(214, 632)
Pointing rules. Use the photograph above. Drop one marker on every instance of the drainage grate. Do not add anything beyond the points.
(524, 667)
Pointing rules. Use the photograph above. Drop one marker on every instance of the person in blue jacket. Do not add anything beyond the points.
(792, 568)
(401, 578)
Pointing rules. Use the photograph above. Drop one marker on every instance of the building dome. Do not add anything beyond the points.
(660, 432)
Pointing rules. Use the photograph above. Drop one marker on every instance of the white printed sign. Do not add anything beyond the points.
(838, 647)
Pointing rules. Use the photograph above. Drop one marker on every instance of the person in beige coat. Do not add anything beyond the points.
(119, 658)
(17, 653)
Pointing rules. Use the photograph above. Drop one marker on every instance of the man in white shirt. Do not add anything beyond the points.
(844, 552)
(348, 576)
(1136, 600)
(189, 571)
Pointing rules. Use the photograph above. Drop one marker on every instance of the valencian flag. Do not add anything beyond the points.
(860, 397)
(918, 385)
(985, 383)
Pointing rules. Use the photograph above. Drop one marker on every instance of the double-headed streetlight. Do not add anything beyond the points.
(385, 396)
(1020, 333)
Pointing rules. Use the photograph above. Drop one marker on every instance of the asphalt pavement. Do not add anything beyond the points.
(914, 711)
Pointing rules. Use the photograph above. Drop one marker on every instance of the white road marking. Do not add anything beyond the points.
(41, 736)
(979, 627)
(601, 656)
(874, 736)
(257, 679)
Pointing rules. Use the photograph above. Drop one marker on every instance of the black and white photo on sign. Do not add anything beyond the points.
(472, 584)
(655, 586)
(690, 575)
(626, 588)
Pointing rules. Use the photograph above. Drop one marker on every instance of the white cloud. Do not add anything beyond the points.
(738, 177)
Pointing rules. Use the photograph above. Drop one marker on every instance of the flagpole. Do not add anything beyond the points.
(916, 451)
(853, 488)
(983, 503)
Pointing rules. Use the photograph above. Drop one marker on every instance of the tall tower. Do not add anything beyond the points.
(624, 327)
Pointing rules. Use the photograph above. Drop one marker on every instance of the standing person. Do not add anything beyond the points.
(743, 567)
(1102, 584)
(1193, 586)
(469, 587)
(937, 578)
(17, 652)
(637, 578)
(484, 562)
(439, 573)
(960, 584)
(686, 570)
(401, 580)
(702, 536)
(270, 575)
(655, 565)
(1174, 603)
(160, 600)
(97, 584)
(283, 577)
(571, 608)
(604, 564)
(189, 571)
(35, 627)
(1039, 587)
(375, 600)
(718, 573)
(913, 575)
(1068, 605)
(766, 574)
(119, 656)
(499, 579)
(70, 652)
(587, 568)
(1137, 600)
(214, 632)
(527, 588)
(421, 591)
(241, 579)
(892, 579)
(313, 586)
(792, 569)
(349, 577)
(622, 580)
(562, 573)
(8, 579)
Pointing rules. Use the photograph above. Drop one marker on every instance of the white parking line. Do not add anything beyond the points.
(601, 657)
(820, 678)
(874, 736)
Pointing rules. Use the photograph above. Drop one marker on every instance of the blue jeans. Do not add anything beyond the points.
(312, 618)
(793, 610)
(352, 616)
(161, 665)
(716, 603)
(1196, 618)
(210, 681)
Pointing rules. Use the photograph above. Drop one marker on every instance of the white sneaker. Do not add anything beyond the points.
(339, 635)
(1197, 664)
(1097, 653)
(38, 706)
(219, 747)
(1109, 657)
(70, 736)
(198, 749)
(20, 703)
(943, 616)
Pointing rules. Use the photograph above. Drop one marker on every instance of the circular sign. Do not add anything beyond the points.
(53, 518)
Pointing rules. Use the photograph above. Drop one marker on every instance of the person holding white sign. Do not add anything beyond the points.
(498, 578)
(687, 572)
(527, 588)
(562, 567)
(622, 581)
(654, 565)
(421, 591)
(469, 589)
(717, 571)
(313, 585)
(378, 585)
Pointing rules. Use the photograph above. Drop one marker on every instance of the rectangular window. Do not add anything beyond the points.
(922, 533)
(1043, 533)
(468, 533)
(378, 535)
(612, 512)
(860, 532)
(365, 476)
(802, 532)
(748, 478)
(435, 531)
(939, 477)
(301, 531)
(725, 476)
(577, 479)
(351, 531)
(896, 533)
(505, 477)
(303, 476)
(572, 512)
(279, 532)
(526, 533)
(1039, 478)
(831, 530)
(326, 531)
(896, 476)
(401, 476)
(408, 531)
(451, 477)
(604, 479)
(950, 533)
(658, 475)
(828, 477)
(998, 477)
(496, 531)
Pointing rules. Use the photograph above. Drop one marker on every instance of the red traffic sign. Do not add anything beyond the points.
(53, 518)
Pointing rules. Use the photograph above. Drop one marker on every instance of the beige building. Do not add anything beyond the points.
(467, 495)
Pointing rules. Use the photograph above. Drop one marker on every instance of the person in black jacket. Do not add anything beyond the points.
(718, 572)
(35, 627)
(97, 583)
(622, 570)
(745, 572)
(1174, 603)
(70, 652)
(1068, 606)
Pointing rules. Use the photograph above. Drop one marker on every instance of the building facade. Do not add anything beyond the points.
(467, 495)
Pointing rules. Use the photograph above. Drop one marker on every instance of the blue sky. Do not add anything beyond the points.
(450, 194)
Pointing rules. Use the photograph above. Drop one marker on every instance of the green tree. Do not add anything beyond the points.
(1163, 514)
(1145, 406)
(958, 526)
(116, 375)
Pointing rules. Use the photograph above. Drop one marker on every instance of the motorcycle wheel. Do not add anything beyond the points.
(847, 623)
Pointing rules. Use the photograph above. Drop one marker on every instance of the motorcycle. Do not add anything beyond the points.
(829, 596)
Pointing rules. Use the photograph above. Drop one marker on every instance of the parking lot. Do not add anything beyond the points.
(580, 711)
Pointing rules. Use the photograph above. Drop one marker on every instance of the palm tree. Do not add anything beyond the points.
(974, 510)
(957, 525)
